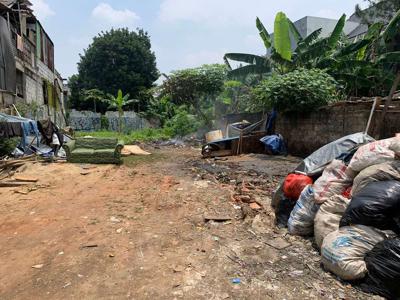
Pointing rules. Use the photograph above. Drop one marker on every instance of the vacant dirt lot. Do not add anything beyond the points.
(139, 232)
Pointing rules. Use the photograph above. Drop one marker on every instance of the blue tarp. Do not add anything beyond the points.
(29, 127)
(274, 144)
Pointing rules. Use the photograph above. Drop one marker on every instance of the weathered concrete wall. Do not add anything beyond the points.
(306, 133)
(31, 90)
(90, 121)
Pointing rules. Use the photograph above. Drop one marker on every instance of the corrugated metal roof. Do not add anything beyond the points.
(10, 3)
(7, 3)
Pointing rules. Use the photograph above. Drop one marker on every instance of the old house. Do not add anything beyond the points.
(27, 70)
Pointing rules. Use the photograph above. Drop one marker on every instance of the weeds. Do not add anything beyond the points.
(144, 135)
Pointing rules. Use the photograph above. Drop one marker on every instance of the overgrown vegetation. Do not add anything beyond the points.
(116, 59)
(197, 89)
(143, 135)
(364, 67)
(28, 109)
(8, 145)
(318, 71)
(298, 91)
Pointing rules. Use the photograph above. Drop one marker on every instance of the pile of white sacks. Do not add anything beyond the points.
(335, 209)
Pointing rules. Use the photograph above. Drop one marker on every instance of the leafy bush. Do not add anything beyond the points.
(28, 109)
(8, 145)
(298, 91)
(182, 123)
(104, 123)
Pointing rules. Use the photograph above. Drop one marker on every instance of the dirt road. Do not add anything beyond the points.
(138, 232)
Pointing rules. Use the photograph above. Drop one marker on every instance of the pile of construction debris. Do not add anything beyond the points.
(11, 169)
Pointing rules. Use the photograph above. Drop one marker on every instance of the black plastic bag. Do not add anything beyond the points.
(383, 264)
(376, 205)
(283, 211)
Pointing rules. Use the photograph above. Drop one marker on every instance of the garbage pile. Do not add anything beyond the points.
(42, 138)
(347, 195)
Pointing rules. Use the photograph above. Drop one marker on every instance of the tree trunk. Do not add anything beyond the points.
(388, 102)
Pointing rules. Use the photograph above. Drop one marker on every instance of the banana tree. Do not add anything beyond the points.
(389, 57)
(119, 103)
(282, 58)
(94, 96)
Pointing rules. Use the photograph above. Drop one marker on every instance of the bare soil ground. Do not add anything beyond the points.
(138, 231)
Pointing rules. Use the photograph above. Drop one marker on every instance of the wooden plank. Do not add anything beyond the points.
(26, 179)
(12, 184)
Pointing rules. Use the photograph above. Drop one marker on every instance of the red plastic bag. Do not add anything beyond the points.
(347, 192)
(294, 184)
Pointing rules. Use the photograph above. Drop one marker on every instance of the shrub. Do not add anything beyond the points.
(182, 123)
(8, 145)
(298, 91)
(28, 109)
(104, 123)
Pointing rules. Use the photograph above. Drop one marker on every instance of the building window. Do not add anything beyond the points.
(20, 84)
(45, 94)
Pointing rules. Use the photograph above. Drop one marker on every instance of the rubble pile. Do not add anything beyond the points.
(351, 205)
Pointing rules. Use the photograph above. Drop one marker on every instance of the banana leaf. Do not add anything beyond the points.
(282, 42)
(244, 57)
(352, 48)
(393, 28)
(296, 34)
(391, 57)
(337, 32)
(302, 45)
(242, 72)
(263, 33)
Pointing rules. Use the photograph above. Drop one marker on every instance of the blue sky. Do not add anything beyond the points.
(184, 33)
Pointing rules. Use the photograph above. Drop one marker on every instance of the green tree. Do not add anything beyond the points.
(197, 88)
(95, 97)
(234, 98)
(76, 98)
(378, 11)
(310, 50)
(117, 59)
(119, 103)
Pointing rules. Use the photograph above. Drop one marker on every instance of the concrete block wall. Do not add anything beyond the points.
(31, 90)
(90, 121)
(306, 133)
(45, 72)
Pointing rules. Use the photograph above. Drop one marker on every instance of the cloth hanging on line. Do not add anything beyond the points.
(18, 127)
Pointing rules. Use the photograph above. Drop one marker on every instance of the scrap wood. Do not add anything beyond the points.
(21, 192)
(88, 246)
(216, 218)
(15, 162)
(26, 179)
(12, 184)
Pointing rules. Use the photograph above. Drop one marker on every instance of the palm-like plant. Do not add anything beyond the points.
(119, 103)
(365, 66)
(309, 51)
(95, 96)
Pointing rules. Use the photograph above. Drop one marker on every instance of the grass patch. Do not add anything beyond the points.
(143, 135)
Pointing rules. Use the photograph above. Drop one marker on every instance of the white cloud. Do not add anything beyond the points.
(241, 14)
(106, 13)
(217, 12)
(41, 9)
